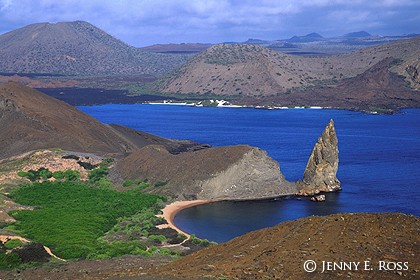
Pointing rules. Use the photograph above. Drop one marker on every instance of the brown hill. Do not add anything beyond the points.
(231, 172)
(77, 48)
(31, 120)
(251, 71)
(279, 252)
(376, 89)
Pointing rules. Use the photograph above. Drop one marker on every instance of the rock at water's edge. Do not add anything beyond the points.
(321, 170)
(318, 198)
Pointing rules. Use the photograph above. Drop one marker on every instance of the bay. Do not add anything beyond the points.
(379, 158)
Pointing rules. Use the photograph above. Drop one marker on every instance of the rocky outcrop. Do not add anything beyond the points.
(318, 198)
(254, 175)
(223, 173)
(321, 170)
(413, 74)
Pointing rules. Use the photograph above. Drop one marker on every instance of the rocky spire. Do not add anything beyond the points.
(321, 170)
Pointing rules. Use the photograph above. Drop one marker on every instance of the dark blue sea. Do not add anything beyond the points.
(379, 158)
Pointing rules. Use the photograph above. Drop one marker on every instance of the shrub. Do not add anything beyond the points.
(107, 162)
(13, 243)
(9, 261)
(98, 173)
(138, 184)
(71, 175)
(22, 173)
(103, 183)
(58, 175)
(160, 183)
(44, 173)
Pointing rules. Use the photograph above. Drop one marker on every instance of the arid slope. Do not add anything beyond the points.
(77, 48)
(254, 72)
(279, 252)
(31, 120)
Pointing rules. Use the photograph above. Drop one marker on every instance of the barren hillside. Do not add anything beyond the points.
(279, 252)
(31, 120)
(77, 48)
(254, 71)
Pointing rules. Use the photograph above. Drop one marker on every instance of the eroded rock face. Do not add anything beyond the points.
(7, 105)
(255, 175)
(321, 169)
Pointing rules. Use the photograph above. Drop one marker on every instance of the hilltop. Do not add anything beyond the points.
(236, 69)
(77, 48)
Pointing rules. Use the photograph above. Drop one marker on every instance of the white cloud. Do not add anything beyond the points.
(133, 19)
(4, 4)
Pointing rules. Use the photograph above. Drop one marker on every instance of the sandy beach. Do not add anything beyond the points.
(172, 209)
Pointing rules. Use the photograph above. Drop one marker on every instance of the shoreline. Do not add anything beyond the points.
(221, 104)
(169, 212)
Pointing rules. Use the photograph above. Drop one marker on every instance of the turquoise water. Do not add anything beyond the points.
(379, 158)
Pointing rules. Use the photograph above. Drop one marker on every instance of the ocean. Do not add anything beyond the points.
(379, 157)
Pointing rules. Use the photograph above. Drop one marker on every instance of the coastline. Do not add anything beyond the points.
(222, 104)
(169, 212)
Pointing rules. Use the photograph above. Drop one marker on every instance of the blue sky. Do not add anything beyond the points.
(146, 22)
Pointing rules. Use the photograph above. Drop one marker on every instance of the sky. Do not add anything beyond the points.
(146, 22)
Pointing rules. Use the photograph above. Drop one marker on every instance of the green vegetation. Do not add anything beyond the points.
(44, 174)
(201, 242)
(9, 261)
(137, 184)
(71, 217)
(68, 175)
(35, 175)
(96, 174)
(87, 219)
(13, 243)
(160, 183)
(138, 224)
(157, 238)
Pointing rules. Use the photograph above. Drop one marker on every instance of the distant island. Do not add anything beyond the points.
(373, 73)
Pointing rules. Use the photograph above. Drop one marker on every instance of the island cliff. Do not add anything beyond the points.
(321, 171)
